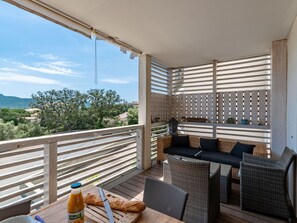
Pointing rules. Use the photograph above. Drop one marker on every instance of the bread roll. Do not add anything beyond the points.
(115, 203)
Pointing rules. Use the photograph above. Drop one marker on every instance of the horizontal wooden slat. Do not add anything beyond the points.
(79, 149)
(20, 143)
(20, 172)
(164, 88)
(116, 155)
(20, 192)
(159, 90)
(219, 76)
(164, 75)
(20, 182)
(92, 153)
(159, 78)
(20, 162)
(245, 60)
(21, 152)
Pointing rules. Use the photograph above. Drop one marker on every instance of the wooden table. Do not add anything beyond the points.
(57, 212)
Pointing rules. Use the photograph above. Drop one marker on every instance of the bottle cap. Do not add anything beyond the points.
(75, 185)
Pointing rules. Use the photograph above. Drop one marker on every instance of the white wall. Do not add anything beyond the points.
(292, 89)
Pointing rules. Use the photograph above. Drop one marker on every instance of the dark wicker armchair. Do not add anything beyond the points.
(203, 187)
(263, 184)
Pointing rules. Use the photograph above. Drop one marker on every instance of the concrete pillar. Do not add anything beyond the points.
(144, 109)
(278, 97)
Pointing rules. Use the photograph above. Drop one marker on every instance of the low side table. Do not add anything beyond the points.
(166, 172)
(225, 178)
(225, 181)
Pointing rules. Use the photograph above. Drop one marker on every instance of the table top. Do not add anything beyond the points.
(57, 212)
(225, 169)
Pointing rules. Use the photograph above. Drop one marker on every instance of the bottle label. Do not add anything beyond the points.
(77, 217)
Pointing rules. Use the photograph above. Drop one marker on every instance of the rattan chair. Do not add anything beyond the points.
(203, 203)
(165, 198)
(263, 184)
(21, 208)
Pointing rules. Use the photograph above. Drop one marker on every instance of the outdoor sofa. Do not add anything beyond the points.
(219, 150)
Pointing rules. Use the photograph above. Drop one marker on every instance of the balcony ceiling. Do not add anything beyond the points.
(188, 32)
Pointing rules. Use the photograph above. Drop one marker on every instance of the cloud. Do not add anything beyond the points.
(7, 69)
(115, 81)
(49, 69)
(44, 56)
(127, 80)
(16, 77)
(48, 57)
(53, 67)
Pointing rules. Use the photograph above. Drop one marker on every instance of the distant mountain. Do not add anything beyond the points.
(14, 102)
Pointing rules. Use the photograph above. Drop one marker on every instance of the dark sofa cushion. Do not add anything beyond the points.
(221, 157)
(209, 144)
(180, 141)
(182, 151)
(240, 148)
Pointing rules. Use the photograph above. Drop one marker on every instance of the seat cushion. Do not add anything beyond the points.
(180, 141)
(209, 144)
(240, 148)
(221, 157)
(183, 151)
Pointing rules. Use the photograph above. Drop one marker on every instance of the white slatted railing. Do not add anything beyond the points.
(41, 169)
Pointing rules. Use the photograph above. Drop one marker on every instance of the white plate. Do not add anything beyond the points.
(20, 219)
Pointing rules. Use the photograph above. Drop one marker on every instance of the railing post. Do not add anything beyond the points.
(140, 149)
(214, 98)
(50, 173)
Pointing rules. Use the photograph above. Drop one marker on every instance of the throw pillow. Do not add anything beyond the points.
(240, 148)
(180, 141)
(209, 144)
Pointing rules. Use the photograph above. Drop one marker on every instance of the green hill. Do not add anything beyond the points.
(14, 102)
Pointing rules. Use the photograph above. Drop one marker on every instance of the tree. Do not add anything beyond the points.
(61, 110)
(132, 115)
(15, 115)
(103, 105)
(7, 130)
(66, 109)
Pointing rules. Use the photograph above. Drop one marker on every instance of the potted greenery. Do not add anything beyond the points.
(230, 120)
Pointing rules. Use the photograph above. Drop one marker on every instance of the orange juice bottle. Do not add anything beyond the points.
(76, 205)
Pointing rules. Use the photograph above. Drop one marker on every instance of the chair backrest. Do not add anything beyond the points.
(21, 208)
(193, 177)
(165, 198)
(286, 159)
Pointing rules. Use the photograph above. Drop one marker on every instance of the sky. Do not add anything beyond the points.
(39, 55)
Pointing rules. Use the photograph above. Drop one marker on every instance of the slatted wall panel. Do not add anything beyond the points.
(243, 88)
(161, 107)
(160, 100)
(159, 80)
(253, 105)
(192, 95)
(189, 128)
(192, 80)
(199, 105)
(248, 134)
